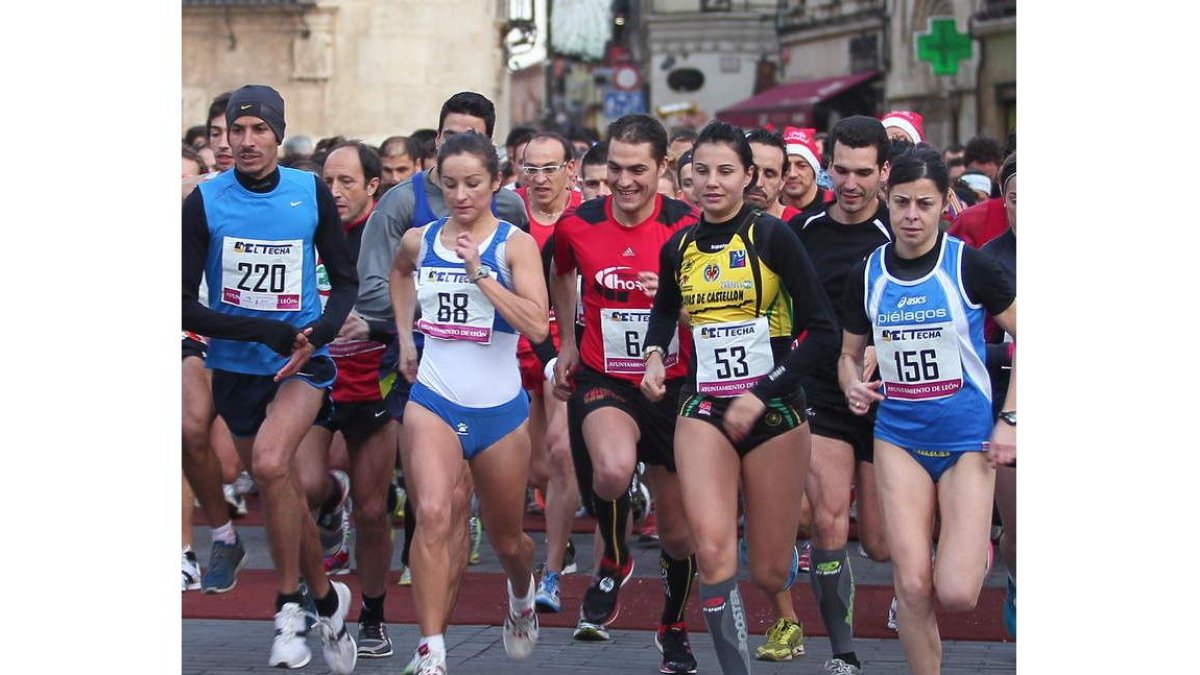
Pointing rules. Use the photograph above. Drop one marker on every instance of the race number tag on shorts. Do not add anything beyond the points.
(732, 356)
(919, 363)
(624, 331)
(262, 275)
(453, 308)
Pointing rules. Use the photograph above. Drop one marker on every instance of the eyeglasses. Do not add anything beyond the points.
(544, 170)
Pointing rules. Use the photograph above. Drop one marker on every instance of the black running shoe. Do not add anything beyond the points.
(373, 640)
(601, 603)
(676, 649)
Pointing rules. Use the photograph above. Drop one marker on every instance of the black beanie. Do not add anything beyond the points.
(260, 101)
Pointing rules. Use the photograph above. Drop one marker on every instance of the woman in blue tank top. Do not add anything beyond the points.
(923, 299)
(479, 283)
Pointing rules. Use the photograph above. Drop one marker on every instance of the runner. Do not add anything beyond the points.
(593, 169)
(255, 233)
(612, 244)
(352, 173)
(1000, 359)
(683, 168)
(801, 190)
(923, 299)
(480, 285)
(749, 290)
(770, 158)
(547, 167)
(836, 238)
(904, 125)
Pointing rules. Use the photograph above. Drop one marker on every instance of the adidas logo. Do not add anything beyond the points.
(628, 252)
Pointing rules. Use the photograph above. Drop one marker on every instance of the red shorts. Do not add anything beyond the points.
(533, 372)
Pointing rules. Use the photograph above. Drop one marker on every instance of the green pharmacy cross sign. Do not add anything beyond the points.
(943, 46)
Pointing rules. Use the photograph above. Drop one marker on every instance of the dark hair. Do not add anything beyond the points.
(426, 143)
(953, 147)
(217, 109)
(321, 151)
(519, 136)
(469, 103)
(771, 138)
(367, 157)
(918, 163)
(860, 131)
(680, 162)
(400, 145)
(1007, 169)
(596, 155)
(302, 164)
(983, 150)
(198, 131)
(471, 143)
(898, 147)
(717, 132)
(682, 133)
(568, 151)
(189, 153)
(1010, 145)
(639, 128)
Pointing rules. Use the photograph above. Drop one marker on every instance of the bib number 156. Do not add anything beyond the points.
(917, 366)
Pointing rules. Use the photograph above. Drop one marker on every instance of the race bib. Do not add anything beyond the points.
(453, 308)
(624, 331)
(266, 276)
(919, 363)
(732, 356)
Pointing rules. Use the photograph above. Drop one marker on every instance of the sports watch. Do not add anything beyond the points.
(480, 272)
(1009, 417)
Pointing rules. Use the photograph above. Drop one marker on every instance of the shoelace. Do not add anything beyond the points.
(371, 631)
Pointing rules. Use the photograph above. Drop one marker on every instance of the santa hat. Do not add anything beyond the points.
(911, 123)
(803, 142)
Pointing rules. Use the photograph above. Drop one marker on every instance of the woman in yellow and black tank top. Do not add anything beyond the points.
(750, 291)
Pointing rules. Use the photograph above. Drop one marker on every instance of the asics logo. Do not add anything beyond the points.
(909, 302)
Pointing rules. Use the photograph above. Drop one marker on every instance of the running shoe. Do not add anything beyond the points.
(547, 598)
(648, 529)
(336, 644)
(520, 633)
(191, 571)
(806, 557)
(235, 501)
(405, 577)
(785, 640)
(290, 649)
(1010, 607)
(672, 642)
(332, 519)
(840, 667)
(531, 502)
(373, 640)
(244, 484)
(476, 526)
(891, 622)
(569, 564)
(426, 662)
(224, 563)
(601, 600)
(337, 563)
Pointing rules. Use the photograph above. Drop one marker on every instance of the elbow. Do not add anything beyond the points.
(538, 330)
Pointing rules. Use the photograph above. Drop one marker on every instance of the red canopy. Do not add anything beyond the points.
(790, 104)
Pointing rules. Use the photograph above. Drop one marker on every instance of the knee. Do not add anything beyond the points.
(832, 524)
(271, 467)
(769, 575)
(915, 590)
(507, 546)
(958, 597)
(711, 556)
(370, 510)
(876, 547)
(611, 476)
(674, 536)
(434, 522)
(561, 464)
(539, 471)
(195, 434)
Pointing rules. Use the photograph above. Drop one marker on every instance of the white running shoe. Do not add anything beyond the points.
(891, 622)
(336, 643)
(521, 633)
(191, 572)
(290, 649)
(426, 662)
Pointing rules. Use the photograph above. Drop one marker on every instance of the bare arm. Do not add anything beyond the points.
(1003, 446)
(859, 393)
(524, 307)
(403, 292)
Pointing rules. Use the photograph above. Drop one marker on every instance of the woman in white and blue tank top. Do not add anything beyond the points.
(923, 298)
(478, 281)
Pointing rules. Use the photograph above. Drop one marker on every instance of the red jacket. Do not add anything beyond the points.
(981, 223)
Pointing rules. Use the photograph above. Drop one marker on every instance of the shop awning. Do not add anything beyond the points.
(791, 103)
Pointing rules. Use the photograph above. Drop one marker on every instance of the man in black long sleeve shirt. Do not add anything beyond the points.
(255, 232)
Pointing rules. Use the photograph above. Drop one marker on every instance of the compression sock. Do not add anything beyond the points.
(410, 529)
(327, 605)
(372, 609)
(833, 585)
(611, 518)
(677, 585)
(726, 620)
(225, 534)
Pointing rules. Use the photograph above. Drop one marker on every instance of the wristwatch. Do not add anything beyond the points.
(480, 272)
(1009, 417)
(652, 349)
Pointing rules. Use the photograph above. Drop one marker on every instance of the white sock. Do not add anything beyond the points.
(517, 605)
(225, 533)
(437, 643)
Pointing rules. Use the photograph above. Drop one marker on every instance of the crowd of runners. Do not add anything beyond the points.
(736, 340)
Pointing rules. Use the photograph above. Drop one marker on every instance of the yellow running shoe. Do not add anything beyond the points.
(785, 639)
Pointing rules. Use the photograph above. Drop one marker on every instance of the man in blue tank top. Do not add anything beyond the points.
(255, 233)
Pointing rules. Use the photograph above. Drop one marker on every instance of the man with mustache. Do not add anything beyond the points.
(770, 156)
